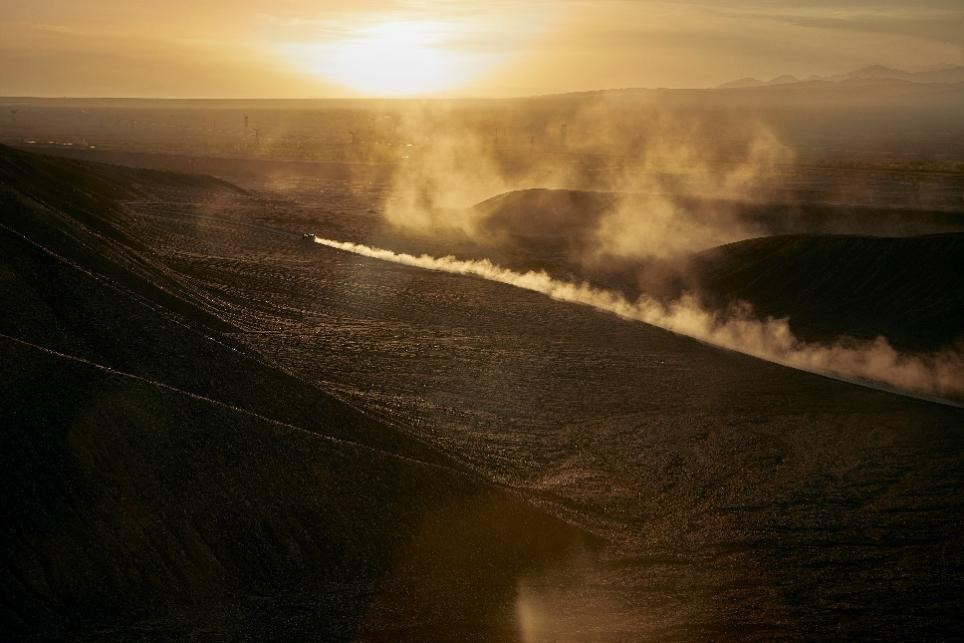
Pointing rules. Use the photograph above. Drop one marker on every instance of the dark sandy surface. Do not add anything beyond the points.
(714, 495)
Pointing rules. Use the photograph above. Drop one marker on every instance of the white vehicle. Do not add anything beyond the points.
(308, 235)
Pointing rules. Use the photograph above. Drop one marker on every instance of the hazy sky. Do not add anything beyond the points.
(319, 48)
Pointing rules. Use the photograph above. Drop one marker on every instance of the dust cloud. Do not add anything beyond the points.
(659, 161)
(939, 374)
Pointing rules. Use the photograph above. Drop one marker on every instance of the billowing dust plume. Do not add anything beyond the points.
(938, 374)
(661, 163)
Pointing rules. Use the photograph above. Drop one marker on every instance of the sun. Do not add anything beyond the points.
(393, 59)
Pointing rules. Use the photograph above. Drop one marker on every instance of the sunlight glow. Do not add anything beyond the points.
(393, 58)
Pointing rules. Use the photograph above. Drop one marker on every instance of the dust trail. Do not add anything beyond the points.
(876, 362)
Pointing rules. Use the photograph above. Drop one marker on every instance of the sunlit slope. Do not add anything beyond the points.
(158, 479)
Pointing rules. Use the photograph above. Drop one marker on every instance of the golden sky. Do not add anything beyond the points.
(328, 48)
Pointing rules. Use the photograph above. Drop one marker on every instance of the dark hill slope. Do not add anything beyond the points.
(569, 218)
(908, 288)
(92, 187)
(911, 290)
(161, 484)
(556, 230)
(37, 191)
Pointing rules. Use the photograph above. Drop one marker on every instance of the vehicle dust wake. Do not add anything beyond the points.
(935, 375)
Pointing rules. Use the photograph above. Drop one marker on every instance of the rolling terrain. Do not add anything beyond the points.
(910, 290)
(161, 481)
(833, 270)
(220, 430)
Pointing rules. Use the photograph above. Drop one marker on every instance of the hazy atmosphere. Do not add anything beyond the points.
(308, 49)
(451, 321)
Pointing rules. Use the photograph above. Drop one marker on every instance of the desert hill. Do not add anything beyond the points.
(165, 483)
(833, 269)
(545, 214)
(911, 290)
(160, 480)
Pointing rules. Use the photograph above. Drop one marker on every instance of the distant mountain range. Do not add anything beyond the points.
(938, 74)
